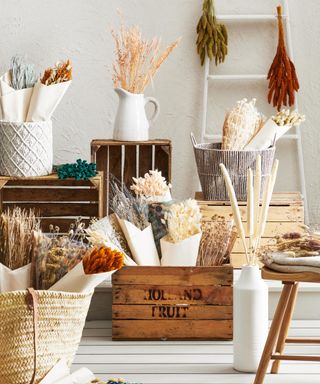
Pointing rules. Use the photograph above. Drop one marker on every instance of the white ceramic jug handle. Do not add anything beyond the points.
(156, 108)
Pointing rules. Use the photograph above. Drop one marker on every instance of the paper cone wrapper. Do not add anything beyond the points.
(17, 280)
(183, 253)
(45, 99)
(265, 137)
(141, 243)
(15, 105)
(77, 281)
(60, 374)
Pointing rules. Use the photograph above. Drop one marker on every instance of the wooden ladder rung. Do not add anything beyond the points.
(303, 341)
(295, 357)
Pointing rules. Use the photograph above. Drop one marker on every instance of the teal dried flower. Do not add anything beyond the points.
(80, 170)
(22, 74)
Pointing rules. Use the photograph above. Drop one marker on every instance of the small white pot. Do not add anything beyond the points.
(131, 123)
(25, 148)
(141, 243)
(183, 253)
(250, 319)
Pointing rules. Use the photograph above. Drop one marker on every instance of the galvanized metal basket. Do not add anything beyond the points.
(208, 157)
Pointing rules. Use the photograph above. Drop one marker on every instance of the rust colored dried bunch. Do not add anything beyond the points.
(137, 59)
(283, 81)
(103, 259)
(60, 73)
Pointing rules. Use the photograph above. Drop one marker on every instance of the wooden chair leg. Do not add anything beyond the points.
(273, 333)
(283, 334)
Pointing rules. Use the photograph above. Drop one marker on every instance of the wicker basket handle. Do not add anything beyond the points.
(193, 140)
(32, 302)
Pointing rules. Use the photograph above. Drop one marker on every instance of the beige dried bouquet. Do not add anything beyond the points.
(240, 125)
(152, 184)
(137, 59)
(183, 220)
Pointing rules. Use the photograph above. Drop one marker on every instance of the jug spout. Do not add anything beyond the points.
(121, 92)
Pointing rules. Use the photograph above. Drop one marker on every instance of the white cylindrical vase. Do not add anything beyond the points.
(250, 318)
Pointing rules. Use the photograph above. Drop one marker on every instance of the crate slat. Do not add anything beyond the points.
(50, 194)
(172, 329)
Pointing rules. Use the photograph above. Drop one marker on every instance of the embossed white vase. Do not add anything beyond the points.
(25, 148)
(250, 319)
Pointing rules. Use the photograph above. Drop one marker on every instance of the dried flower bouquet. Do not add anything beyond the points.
(137, 59)
(181, 244)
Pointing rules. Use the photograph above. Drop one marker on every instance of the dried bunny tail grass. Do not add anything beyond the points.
(103, 259)
(137, 59)
(152, 184)
(60, 73)
(16, 237)
(183, 220)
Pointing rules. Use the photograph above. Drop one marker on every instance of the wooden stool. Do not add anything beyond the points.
(281, 322)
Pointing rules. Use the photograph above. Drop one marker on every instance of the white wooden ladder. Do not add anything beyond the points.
(296, 135)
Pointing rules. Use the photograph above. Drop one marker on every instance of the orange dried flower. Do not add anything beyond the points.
(103, 259)
(57, 74)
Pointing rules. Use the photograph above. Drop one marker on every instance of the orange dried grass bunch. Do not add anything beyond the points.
(283, 81)
(102, 259)
(60, 73)
(137, 59)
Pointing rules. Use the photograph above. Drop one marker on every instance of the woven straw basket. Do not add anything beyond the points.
(25, 149)
(209, 156)
(37, 329)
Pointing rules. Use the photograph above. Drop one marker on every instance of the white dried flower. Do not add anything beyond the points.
(183, 220)
(152, 184)
(287, 117)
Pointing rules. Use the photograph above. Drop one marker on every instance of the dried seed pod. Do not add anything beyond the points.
(212, 40)
(283, 81)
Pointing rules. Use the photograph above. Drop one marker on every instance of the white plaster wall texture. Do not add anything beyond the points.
(48, 30)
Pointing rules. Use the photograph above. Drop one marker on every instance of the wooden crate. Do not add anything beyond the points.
(57, 202)
(172, 303)
(127, 159)
(286, 214)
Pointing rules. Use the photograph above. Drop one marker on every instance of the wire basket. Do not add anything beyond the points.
(210, 155)
(37, 329)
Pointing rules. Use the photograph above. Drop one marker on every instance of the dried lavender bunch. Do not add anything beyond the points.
(16, 237)
(22, 74)
(126, 206)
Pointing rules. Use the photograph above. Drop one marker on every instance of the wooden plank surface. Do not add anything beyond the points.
(140, 312)
(110, 142)
(151, 294)
(174, 275)
(171, 329)
(306, 277)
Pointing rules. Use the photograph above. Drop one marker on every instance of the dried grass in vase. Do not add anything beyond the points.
(16, 237)
(137, 59)
(215, 243)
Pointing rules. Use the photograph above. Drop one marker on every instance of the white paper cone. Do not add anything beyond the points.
(58, 372)
(15, 105)
(141, 243)
(183, 253)
(265, 137)
(17, 280)
(45, 99)
(77, 281)
(5, 81)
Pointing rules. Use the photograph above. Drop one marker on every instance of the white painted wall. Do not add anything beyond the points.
(49, 30)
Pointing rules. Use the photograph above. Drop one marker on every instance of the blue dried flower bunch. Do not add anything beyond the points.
(80, 170)
(22, 74)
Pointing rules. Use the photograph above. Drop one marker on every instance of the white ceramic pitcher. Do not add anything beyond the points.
(131, 123)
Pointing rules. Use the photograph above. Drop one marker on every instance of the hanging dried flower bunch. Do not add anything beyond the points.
(183, 220)
(137, 59)
(60, 73)
(241, 124)
(283, 81)
(152, 184)
(212, 38)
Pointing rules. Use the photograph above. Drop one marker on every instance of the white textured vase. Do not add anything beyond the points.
(131, 123)
(250, 317)
(25, 148)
